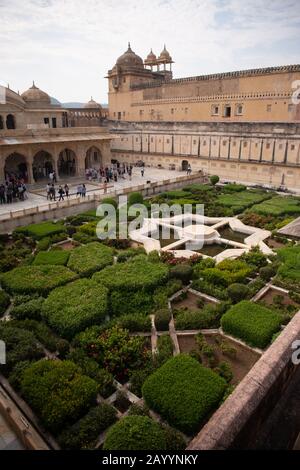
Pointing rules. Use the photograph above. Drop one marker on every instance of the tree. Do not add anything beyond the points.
(214, 180)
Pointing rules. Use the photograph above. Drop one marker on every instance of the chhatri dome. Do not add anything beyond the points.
(92, 104)
(130, 59)
(35, 95)
(165, 55)
(151, 56)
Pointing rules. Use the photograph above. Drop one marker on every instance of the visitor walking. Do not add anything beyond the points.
(67, 191)
(52, 193)
(83, 191)
(48, 191)
(61, 193)
(79, 190)
(142, 172)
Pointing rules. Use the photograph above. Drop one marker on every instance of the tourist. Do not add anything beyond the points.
(67, 191)
(48, 191)
(52, 193)
(79, 190)
(142, 172)
(189, 169)
(83, 190)
(2, 194)
(61, 193)
(54, 177)
(51, 176)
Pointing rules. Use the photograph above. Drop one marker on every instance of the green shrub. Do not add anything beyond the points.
(252, 323)
(174, 440)
(243, 200)
(31, 310)
(52, 257)
(224, 370)
(279, 206)
(129, 352)
(92, 369)
(209, 289)
(16, 375)
(138, 410)
(21, 345)
(135, 198)
(124, 256)
(84, 433)
(214, 179)
(58, 392)
(135, 433)
(183, 272)
(255, 258)
(234, 188)
(72, 308)
(136, 274)
(86, 260)
(267, 272)
(227, 272)
(138, 377)
(165, 349)
(183, 392)
(237, 292)
(31, 279)
(43, 244)
(290, 269)
(111, 201)
(38, 231)
(4, 302)
(162, 319)
(135, 323)
(207, 317)
(127, 303)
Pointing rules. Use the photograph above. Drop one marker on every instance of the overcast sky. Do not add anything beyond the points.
(67, 46)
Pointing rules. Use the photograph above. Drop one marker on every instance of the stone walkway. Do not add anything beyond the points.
(37, 195)
(8, 439)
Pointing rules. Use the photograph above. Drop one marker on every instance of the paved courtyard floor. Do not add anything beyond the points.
(37, 193)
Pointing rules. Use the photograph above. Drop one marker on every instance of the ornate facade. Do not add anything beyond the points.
(37, 137)
(241, 125)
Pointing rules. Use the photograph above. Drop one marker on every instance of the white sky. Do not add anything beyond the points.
(67, 46)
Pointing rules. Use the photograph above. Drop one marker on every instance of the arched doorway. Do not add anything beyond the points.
(1, 123)
(16, 167)
(93, 158)
(42, 165)
(184, 165)
(10, 122)
(67, 163)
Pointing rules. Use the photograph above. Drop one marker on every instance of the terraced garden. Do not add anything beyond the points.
(115, 349)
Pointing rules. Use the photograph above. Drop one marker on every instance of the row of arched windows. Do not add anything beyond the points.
(9, 122)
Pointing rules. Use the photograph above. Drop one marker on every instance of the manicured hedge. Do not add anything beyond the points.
(135, 323)
(4, 302)
(90, 258)
(31, 309)
(21, 345)
(184, 392)
(57, 257)
(72, 308)
(42, 230)
(243, 200)
(135, 433)
(31, 279)
(126, 303)
(278, 206)
(208, 317)
(252, 323)
(58, 392)
(290, 269)
(134, 275)
(162, 319)
(84, 433)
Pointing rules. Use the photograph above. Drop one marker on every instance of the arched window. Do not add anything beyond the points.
(10, 122)
(1, 122)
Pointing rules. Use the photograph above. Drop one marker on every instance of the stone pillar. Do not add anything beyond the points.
(106, 152)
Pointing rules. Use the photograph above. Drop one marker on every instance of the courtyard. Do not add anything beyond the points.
(127, 327)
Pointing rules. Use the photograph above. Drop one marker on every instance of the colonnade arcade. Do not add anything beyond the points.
(35, 165)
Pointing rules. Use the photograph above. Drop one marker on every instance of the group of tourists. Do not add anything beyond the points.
(109, 174)
(13, 190)
(62, 192)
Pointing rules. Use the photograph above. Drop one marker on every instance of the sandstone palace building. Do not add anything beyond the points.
(243, 126)
(37, 137)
